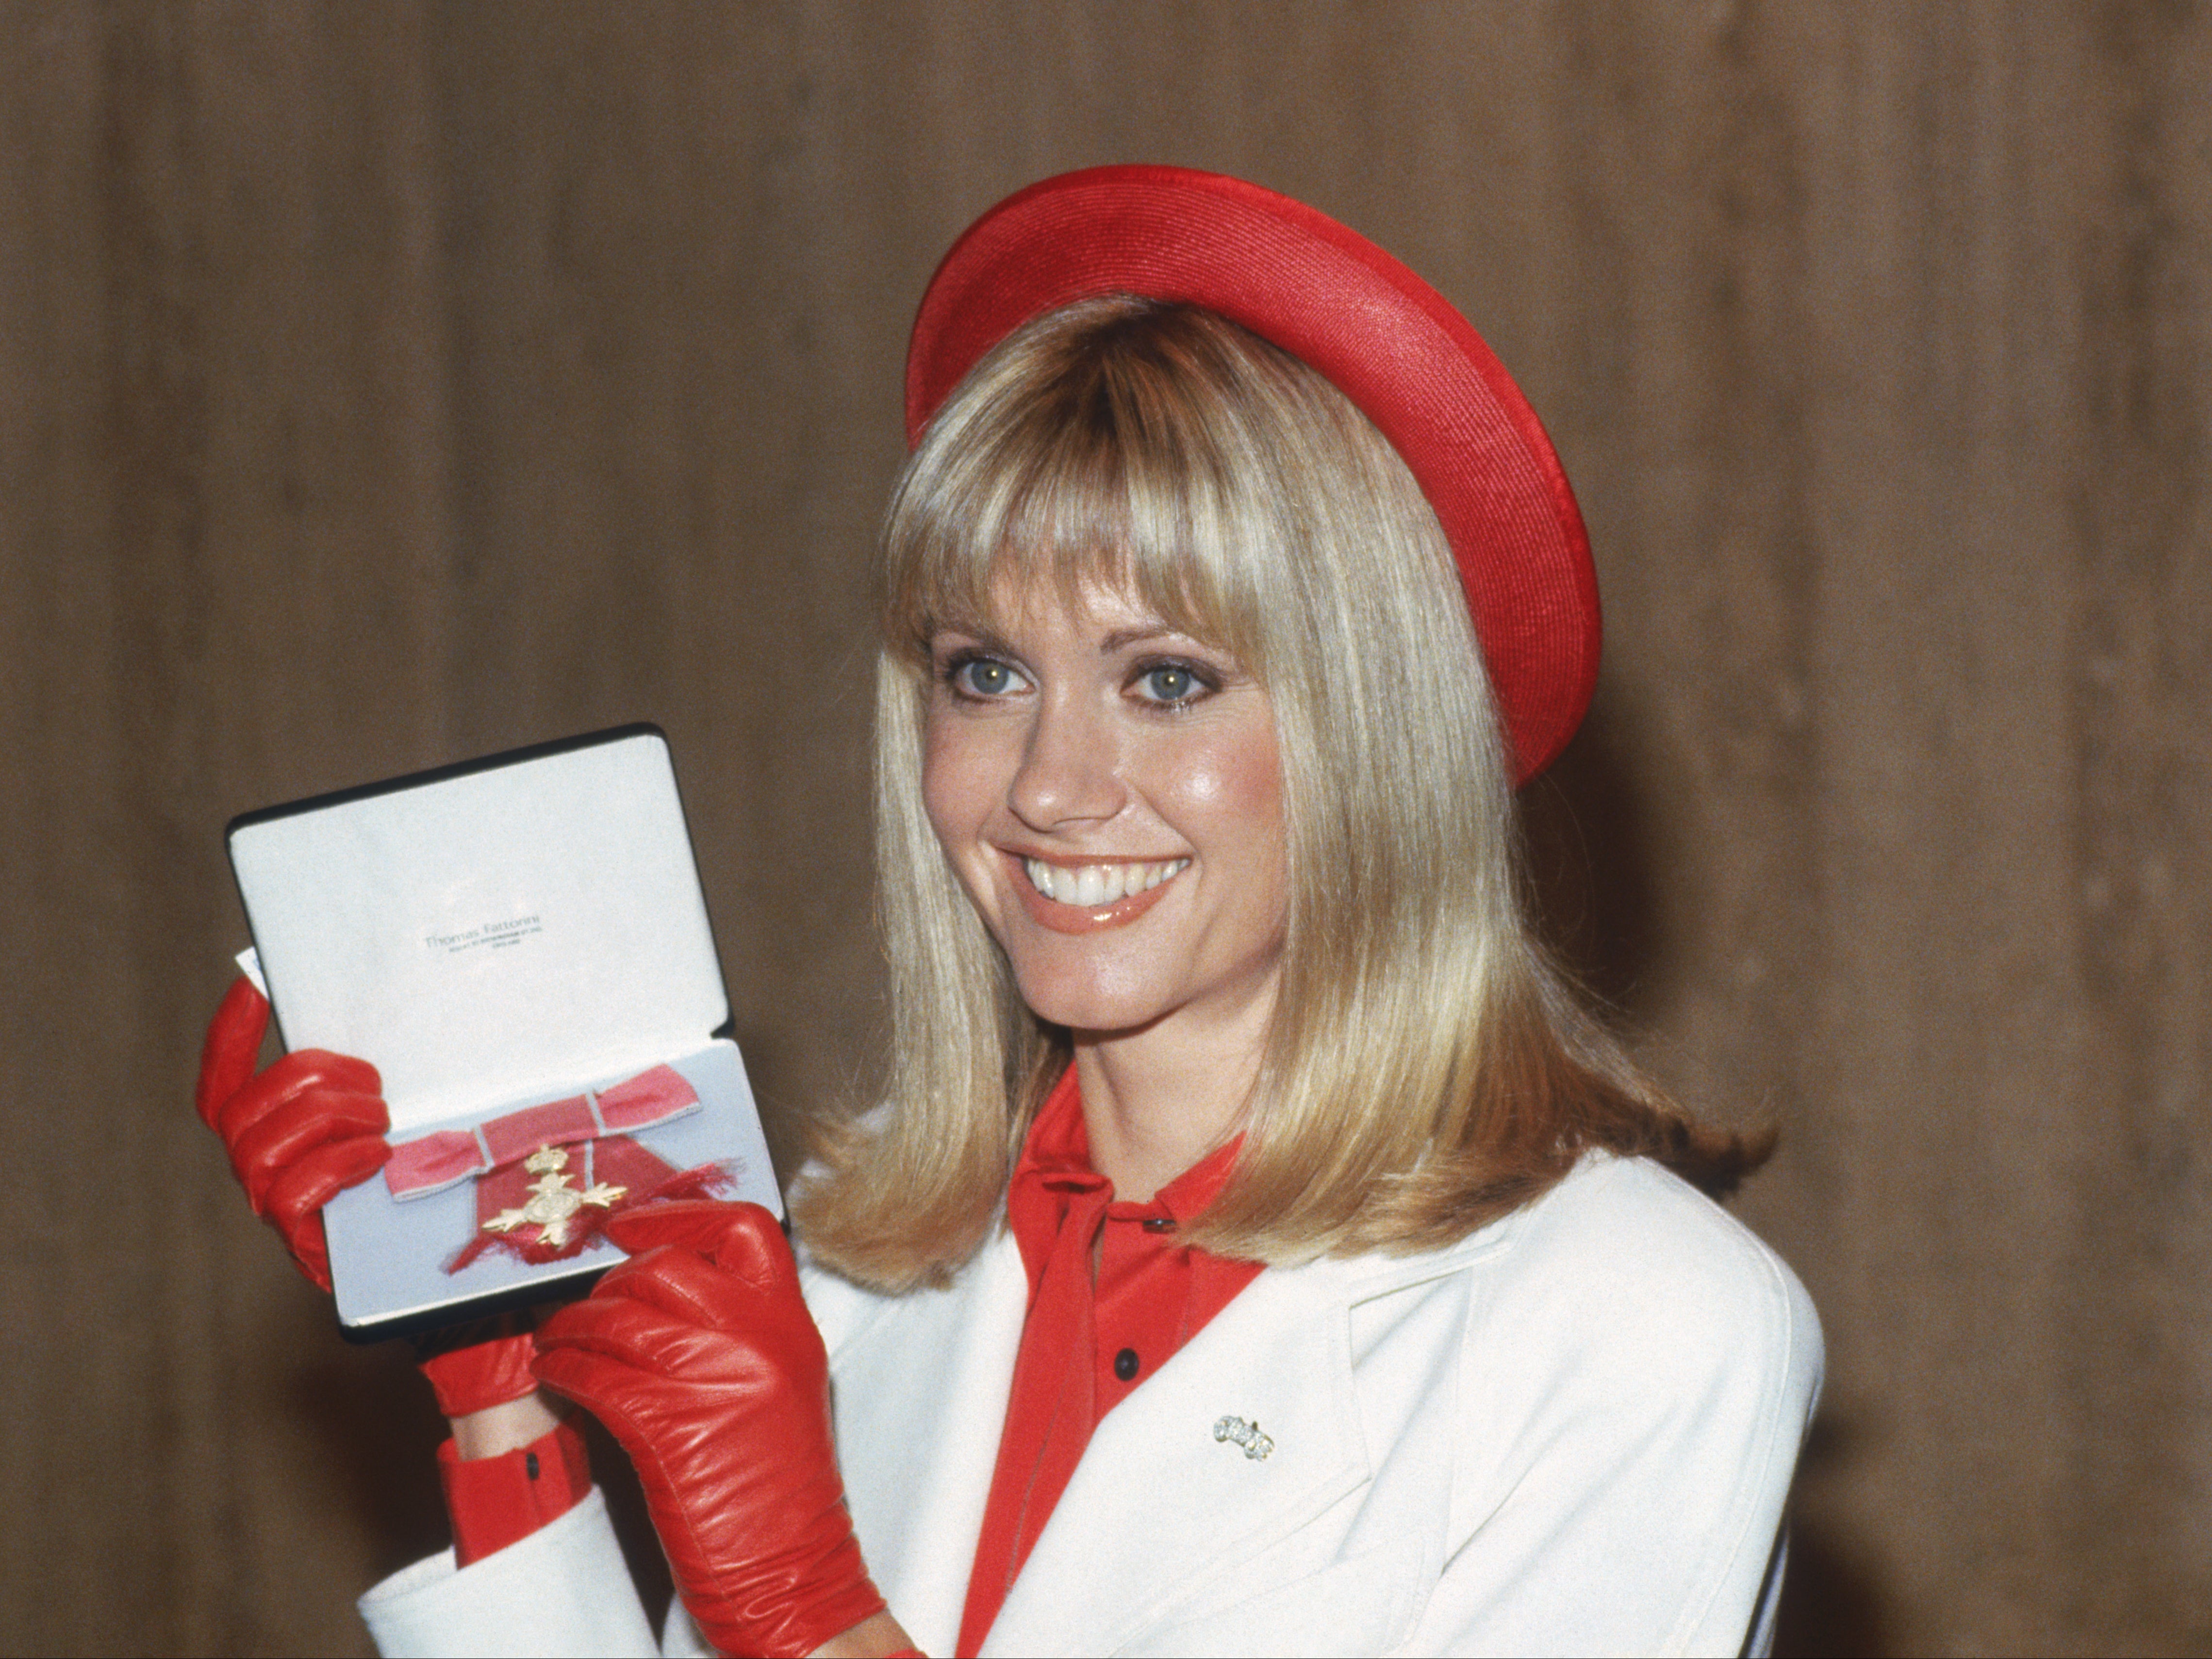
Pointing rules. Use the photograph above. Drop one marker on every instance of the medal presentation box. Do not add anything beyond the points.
(520, 946)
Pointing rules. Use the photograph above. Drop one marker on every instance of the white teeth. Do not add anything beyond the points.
(1089, 885)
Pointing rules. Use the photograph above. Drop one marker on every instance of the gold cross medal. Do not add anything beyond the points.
(553, 1202)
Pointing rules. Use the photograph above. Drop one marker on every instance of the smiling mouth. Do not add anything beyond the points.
(1090, 886)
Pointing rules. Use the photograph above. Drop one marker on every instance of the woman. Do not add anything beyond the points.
(1258, 1250)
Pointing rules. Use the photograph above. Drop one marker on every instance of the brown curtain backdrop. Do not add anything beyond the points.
(384, 385)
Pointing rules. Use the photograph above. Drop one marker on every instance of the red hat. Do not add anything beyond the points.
(1381, 334)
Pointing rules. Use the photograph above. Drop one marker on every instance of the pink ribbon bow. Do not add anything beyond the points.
(436, 1161)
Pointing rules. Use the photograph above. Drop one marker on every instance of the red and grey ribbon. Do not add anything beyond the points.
(548, 1177)
(437, 1160)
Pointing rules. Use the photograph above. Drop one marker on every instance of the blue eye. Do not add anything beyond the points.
(984, 677)
(1169, 682)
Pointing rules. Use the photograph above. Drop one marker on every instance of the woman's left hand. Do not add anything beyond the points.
(700, 1356)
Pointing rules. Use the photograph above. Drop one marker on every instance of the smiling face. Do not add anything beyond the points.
(1109, 792)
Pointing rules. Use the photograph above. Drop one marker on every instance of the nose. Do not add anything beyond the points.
(1071, 767)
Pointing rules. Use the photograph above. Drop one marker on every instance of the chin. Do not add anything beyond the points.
(1083, 1005)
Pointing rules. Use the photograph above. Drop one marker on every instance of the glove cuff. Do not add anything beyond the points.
(472, 1368)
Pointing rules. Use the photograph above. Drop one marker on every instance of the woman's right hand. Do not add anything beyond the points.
(298, 1133)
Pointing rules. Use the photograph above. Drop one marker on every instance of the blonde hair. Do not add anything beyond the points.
(1426, 1069)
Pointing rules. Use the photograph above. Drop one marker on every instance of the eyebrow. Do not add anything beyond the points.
(1121, 638)
(988, 638)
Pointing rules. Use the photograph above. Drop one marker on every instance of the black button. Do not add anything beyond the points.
(1125, 1364)
(1159, 1223)
(529, 1464)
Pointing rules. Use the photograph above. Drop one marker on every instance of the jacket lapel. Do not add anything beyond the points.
(1159, 1505)
(922, 1390)
(1157, 1508)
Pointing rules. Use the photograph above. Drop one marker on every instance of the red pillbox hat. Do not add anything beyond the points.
(1381, 334)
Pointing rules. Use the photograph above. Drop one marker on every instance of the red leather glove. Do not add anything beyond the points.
(474, 1367)
(300, 1133)
(700, 1359)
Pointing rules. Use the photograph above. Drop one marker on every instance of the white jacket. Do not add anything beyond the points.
(1571, 1432)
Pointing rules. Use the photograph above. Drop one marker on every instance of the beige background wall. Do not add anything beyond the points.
(383, 384)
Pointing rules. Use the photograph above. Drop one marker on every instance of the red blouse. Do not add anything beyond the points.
(494, 1502)
(1088, 1342)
